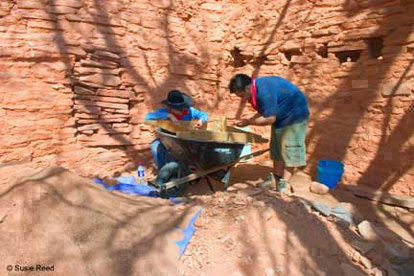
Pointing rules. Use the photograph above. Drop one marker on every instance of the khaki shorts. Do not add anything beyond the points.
(287, 144)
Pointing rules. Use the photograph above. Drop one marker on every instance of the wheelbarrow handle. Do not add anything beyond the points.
(200, 174)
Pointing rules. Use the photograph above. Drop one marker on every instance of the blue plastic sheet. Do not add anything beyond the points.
(188, 233)
(126, 180)
(127, 185)
(130, 187)
(175, 200)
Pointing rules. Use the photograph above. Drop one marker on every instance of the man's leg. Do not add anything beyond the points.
(278, 165)
(159, 153)
(289, 151)
(293, 148)
(154, 151)
(168, 171)
(279, 169)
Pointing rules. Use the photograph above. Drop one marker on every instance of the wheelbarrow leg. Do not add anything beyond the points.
(210, 184)
(223, 178)
(226, 179)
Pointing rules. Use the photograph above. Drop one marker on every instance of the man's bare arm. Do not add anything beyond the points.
(259, 120)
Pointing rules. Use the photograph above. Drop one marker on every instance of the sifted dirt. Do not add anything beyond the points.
(55, 217)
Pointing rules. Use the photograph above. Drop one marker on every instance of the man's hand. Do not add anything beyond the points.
(242, 123)
(199, 124)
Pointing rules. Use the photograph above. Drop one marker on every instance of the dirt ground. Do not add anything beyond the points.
(56, 218)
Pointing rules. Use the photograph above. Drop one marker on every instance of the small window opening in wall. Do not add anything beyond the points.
(375, 46)
(237, 58)
(348, 56)
(323, 50)
(290, 53)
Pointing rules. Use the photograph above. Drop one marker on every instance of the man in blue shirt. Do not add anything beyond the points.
(281, 104)
(178, 108)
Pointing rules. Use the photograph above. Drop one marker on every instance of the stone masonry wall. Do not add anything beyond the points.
(78, 76)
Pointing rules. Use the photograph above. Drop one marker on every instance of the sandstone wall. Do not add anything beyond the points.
(77, 76)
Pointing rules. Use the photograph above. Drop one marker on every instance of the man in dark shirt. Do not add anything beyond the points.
(281, 104)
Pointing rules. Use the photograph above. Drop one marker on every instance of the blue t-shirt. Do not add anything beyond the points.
(193, 114)
(279, 97)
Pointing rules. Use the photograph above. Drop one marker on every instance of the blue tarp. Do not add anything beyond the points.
(126, 179)
(127, 185)
(188, 234)
(175, 200)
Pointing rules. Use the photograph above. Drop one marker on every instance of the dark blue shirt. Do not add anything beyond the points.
(279, 97)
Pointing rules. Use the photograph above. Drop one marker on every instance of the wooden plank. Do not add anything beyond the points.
(215, 136)
(256, 137)
(356, 47)
(384, 197)
(217, 125)
(185, 130)
(200, 174)
(213, 125)
(170, 126)
(227, 137)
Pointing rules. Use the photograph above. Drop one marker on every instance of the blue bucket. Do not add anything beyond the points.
(330, 172)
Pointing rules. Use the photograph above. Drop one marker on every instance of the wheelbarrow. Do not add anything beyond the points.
(212, 160)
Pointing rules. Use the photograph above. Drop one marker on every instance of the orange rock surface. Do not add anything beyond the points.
(77, 77)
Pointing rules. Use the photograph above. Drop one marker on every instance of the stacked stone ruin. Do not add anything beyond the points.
(78, 76)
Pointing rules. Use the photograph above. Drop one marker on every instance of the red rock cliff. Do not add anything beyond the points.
(77, 76)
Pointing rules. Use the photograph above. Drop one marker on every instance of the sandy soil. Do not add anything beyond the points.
(54, 217)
